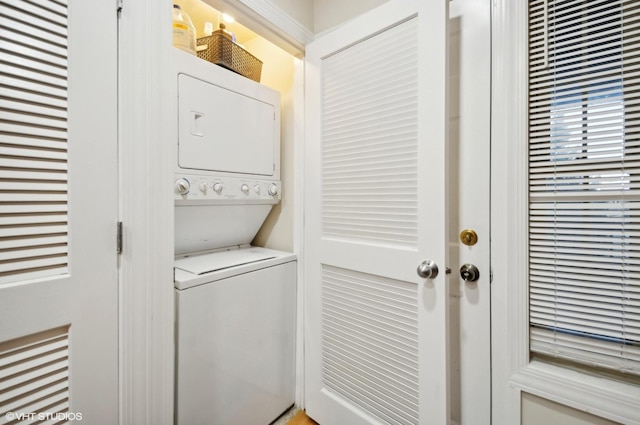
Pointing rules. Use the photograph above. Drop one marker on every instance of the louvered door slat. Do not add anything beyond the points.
(16, 94)
(370, 140)
(34, 371)
(370, 343)
(33, 82)
(33, 64)
(34, 165)
(47, 53)
(34, 131)
(49, 50)
(37, 15)
(25, 107)
(22, 219)
(36, 154)
(50, 121)
(31, 31)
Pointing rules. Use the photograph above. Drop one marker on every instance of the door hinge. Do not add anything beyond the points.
(119, 238)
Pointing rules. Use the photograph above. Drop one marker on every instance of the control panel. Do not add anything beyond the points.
(200, 188)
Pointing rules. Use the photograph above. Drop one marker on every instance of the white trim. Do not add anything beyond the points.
(509, 337)
(603, 397)
(270, 22)
(146, 264)
(512, 372)
(298, 221)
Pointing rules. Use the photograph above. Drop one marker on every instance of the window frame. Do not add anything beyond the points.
(512, 370)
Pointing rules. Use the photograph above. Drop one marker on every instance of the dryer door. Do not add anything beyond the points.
(225, 131)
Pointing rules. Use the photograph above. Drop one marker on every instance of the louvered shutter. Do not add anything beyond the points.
(584, 181)
(370, 141)
(33, 139)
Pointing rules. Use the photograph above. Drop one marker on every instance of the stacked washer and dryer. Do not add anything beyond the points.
(235, 303)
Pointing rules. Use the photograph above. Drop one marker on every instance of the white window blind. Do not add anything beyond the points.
(33, 139)
(584, 181)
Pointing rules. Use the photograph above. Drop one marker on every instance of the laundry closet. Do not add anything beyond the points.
(235, 295)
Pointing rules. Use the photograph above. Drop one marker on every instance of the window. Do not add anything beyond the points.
(584, 182)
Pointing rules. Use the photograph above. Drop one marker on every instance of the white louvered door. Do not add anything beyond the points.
(58, 212)
(377, 334)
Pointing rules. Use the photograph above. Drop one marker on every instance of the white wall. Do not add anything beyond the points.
(330, 13)
(300, 10)
(278, 73)
(536, 411)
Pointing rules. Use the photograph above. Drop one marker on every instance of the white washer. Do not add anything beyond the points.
(235, 336)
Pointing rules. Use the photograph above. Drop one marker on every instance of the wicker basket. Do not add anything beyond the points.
(224, 52)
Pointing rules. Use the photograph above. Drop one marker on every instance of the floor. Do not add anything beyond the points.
(301, 419)
(294, 416)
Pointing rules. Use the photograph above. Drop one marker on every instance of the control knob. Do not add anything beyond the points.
(217, 187)
(182, 186)
(273, 189)
(244, 188)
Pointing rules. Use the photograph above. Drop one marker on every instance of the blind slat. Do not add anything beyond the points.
(584, 181)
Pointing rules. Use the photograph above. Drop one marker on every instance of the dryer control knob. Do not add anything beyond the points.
(256, 189)
(273, 189)
(245, 188)
(182, 186)
(203, 188)
(217, 187)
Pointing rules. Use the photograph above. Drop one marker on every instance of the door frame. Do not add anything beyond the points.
(146, 160)
(146, 210)
(146, 165)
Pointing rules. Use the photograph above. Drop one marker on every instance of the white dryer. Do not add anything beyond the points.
(235, 304)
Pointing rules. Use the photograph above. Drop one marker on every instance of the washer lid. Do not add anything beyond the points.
(208, 263)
